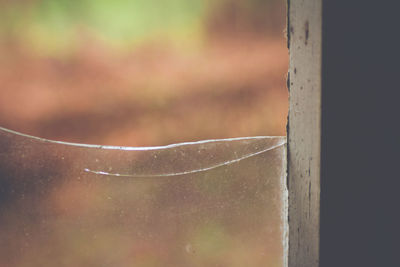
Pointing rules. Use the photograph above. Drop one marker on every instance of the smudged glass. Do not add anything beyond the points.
(207, 203)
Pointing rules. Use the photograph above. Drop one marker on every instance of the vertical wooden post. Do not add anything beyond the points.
(304, 131)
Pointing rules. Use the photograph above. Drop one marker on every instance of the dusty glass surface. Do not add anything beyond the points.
(207, 203)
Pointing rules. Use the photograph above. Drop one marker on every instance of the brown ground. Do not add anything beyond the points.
(155, 95)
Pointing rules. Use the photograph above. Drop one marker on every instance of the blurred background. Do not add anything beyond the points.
(139, 73)
(143, 72)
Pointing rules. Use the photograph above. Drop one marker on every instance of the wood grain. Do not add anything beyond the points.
(304, 131)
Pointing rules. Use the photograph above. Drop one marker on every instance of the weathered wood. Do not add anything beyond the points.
(304, 131)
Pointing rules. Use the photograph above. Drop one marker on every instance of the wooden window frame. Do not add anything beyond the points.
(304, 33)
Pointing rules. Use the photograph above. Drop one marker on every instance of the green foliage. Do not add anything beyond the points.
(59, 23)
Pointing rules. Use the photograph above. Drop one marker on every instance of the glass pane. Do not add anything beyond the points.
(207, 203)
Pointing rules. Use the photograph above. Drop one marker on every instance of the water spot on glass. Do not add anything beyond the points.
(189, 249)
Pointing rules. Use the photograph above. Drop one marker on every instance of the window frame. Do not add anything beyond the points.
(304, 35)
